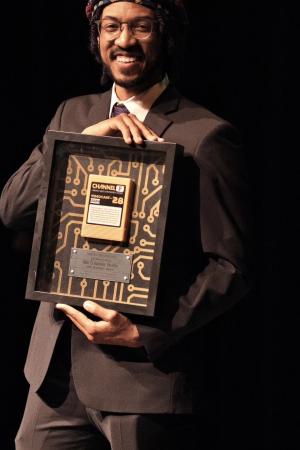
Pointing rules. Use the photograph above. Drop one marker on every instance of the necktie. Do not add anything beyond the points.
(118, 108)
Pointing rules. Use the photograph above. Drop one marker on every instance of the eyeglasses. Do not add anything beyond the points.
(140, 28)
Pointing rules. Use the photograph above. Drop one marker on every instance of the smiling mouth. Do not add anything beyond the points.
(127, 59)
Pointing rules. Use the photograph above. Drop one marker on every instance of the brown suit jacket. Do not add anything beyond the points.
(205, 266)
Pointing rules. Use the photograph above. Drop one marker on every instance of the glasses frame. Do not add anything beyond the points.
(117, 34)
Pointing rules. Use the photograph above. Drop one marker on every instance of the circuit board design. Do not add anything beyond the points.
(64, 216)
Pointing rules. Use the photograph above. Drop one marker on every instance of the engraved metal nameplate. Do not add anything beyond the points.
(100, 265)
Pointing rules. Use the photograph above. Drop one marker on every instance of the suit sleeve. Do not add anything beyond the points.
(18, 201)
(226, 237)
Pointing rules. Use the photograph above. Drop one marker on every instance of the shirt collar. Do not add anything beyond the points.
(140, 104)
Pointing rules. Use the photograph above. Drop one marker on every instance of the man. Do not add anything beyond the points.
(95, 370)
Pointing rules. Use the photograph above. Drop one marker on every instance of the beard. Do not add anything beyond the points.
(139, 81)
(131, 78)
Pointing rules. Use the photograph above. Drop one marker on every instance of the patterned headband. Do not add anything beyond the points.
(165, 7)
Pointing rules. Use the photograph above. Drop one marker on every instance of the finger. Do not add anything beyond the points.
(147, 133)
(89, 336)
(129, 129)
(118, 124)
(109, 315)
(109, 127)
(133, 124)
(76, 315)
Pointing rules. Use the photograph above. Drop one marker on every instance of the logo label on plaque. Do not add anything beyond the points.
(108, 208)
(106, 204)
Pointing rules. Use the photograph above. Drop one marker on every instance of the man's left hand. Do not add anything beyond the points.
(113, 328)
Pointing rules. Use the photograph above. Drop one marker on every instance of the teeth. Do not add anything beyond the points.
(125, 59)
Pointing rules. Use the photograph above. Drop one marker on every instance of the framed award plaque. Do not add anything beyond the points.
(100, 222)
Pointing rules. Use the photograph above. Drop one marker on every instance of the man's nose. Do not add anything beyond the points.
(126, 38)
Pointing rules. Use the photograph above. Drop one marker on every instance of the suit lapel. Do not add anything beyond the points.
(100, 110)
(156, 118)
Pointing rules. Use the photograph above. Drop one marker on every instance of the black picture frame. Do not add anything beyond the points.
(68, 160)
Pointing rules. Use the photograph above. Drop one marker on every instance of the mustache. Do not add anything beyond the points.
(130, 52)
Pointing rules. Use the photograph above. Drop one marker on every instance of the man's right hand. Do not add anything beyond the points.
(132, 129)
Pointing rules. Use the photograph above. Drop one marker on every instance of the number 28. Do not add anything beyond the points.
(117, 200)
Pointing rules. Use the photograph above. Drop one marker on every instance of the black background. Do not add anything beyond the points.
(235, 66)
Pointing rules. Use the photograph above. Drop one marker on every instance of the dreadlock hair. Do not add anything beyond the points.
(173, 32)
